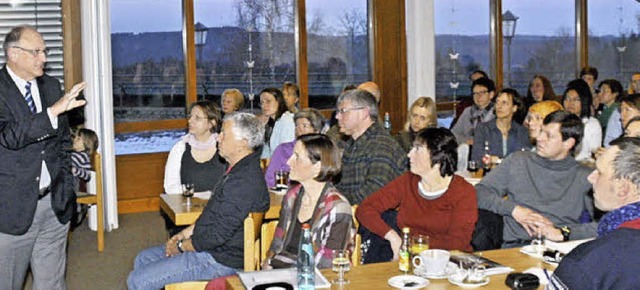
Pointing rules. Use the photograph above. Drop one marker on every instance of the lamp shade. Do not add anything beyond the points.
(201, 34)
(509, 21)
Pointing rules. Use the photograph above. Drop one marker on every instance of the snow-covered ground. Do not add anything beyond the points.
(162, 141)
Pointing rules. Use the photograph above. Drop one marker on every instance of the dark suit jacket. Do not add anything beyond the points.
(25, 140)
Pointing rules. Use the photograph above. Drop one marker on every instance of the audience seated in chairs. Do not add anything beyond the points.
(577, 99)
(213, 246)
(546, 190)
(629, 108)
(315, 201)
(483, 91)
(372, 158)
(502, 135)
(195, 158)
(422, 114)
(277, 120)
(429, 199)
(308, 120)
(611, 260)
(536, 115)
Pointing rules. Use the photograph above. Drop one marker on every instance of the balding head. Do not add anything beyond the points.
(372, 88)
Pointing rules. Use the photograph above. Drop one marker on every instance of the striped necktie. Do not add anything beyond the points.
(29, 98)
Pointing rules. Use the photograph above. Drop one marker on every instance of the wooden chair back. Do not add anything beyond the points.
(252, 227)
(266, 237)
(356, 256)
(96, 198)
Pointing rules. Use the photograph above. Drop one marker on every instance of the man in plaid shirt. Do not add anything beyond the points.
(372, 157)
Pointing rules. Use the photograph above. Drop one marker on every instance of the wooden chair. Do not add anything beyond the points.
(97, 198)
(356, 256)
(252, 227)
(266, 237)
(251, 252)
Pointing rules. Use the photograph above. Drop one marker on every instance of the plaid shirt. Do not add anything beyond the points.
(370, 162)
(331, 226)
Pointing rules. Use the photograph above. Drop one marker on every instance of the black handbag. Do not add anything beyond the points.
(522, 281)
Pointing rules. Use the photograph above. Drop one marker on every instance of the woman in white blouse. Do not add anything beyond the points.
(577, 99)
(195, 159)
(279, 125)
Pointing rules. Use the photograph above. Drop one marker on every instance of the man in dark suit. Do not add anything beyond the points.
(36, 185)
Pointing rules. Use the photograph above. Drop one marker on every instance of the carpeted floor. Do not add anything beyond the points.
(87, 269)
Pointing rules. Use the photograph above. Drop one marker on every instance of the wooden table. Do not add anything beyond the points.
(375, 276)
(181, 215)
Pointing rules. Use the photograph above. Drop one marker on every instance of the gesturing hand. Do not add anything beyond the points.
(68, 101)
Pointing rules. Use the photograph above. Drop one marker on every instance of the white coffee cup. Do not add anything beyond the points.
(434, 261)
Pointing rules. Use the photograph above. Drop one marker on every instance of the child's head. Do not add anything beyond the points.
(85, 140)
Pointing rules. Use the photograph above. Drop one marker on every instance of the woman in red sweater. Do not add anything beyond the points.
(430, 199)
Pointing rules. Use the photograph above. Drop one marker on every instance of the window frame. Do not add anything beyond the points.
(189, 50)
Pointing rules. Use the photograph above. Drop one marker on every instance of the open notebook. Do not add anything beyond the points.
(289, 275)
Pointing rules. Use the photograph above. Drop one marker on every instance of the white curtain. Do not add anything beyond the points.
(421, 48)
(96, 67)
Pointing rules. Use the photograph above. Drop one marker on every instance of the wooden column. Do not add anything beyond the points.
(390, 58)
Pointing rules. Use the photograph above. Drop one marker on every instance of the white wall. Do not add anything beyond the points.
(421, 60)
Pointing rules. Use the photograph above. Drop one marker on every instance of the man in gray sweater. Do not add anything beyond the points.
(547, 190)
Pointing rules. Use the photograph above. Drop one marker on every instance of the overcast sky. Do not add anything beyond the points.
(537, 17)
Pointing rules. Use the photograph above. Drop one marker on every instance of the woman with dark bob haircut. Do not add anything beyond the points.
(429, 199)
(315, 201)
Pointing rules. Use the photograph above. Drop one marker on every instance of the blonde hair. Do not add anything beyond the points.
(427, 103)
(545, 108)
(236, 96)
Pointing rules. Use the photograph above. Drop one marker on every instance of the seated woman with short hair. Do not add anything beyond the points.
(315, 201)
(308, 120)
(430, 199)
(502, 135)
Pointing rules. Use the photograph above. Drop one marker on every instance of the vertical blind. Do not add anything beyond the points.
(46, 17)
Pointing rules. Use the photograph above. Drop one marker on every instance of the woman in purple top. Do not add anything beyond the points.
(307, 121)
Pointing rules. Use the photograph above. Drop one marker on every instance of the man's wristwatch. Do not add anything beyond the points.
(566, 232)
(180, 246)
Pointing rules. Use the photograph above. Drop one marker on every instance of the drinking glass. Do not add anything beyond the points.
(341, 264)
(419, 244)
(282, 179)
(539, 244)
(188, 190)
(472, 166)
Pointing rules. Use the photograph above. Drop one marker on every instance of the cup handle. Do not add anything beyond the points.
(413, 261)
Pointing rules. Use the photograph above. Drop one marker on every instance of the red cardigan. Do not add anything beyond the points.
(449, 220)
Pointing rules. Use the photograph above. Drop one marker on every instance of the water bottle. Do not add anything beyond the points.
(387, 122)
(486, 159)
(306, 265)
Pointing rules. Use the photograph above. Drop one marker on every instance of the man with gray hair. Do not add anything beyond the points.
(611, 260)
(371, 158)
(213, 246)
(36, 184)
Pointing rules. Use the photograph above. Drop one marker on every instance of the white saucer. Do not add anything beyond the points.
(531, 251)
(455, 279)
(451, 269)
(402, 280)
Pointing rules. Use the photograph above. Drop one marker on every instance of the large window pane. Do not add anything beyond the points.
(249, 45)
(147, 60)
(338, 48)
(543, 43)
(614, 26)
(462, 45)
